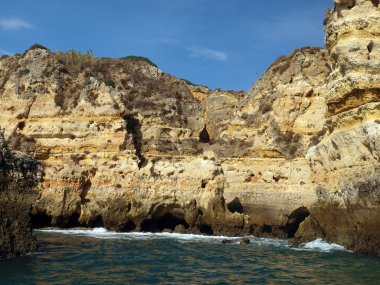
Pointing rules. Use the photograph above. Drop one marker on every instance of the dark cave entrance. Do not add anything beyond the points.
(166, 222)
(206, 229)
(68, 221)
(204, 137)
(40, 220)
(96, 222)
(129, 226)
(266, 229)
(294, 221)
(235, 206)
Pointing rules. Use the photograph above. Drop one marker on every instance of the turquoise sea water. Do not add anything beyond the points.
(101, 257)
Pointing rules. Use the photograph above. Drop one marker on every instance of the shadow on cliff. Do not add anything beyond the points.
(134, 129)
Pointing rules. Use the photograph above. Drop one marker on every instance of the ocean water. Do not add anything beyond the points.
(101, 257)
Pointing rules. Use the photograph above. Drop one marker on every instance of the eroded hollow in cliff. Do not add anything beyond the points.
(165, 218)
(266, 229)
(96, 222)
(204, 137)
(40, 220)
(21, 125)
(68, 221)
(206, 229)
(235, 206)
(129, 226)
(294, 221)
(134, 128)
(166, 222)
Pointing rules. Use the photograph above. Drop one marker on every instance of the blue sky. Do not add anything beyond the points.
(224, 44)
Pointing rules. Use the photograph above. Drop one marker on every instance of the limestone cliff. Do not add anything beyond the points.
(121, 144)
(345, 164)
(19, 175)
(126, 146)
(129, 147)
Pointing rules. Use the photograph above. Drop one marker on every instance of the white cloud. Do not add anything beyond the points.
(14, 24)
(3, 51)
(206, 53)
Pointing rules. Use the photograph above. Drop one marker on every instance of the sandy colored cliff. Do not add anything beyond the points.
(126, 146)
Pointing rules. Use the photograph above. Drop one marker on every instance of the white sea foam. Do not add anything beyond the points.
(322, 246)
(101, 233)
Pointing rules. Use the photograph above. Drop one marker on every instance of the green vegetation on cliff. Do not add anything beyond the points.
(142, 58)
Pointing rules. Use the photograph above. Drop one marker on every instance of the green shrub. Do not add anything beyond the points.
(188, 82)
(134, 57)
(23, 72)
(38, 46)
(110, 83)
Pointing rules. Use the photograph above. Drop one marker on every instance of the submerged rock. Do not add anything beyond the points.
(228, 241)
(245, 240)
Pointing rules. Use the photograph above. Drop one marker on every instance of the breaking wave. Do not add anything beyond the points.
(101, 233)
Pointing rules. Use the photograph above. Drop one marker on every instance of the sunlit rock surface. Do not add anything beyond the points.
(126, 146)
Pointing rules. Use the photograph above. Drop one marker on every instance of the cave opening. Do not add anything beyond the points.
(96, 222)
(169, 221)
(375, 3)
(206, 229)
(266, 229)
(40, 220)
(204, 136)
(129, 226)
(166, 222)
(294, 221)
(235, 206)
(68, 221)
(21, 125)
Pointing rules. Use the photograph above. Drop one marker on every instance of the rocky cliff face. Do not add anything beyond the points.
(345, 164)
(126, 146)
(131, 155)
(19, 176)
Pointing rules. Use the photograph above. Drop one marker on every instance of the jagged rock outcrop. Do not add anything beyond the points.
(126, 146)
(345, 163)
(19, 175)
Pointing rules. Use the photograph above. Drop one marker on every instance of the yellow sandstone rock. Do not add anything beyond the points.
(128, 147)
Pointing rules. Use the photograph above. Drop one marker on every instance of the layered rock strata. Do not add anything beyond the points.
(345, 164)
(150, 152)
(19, 175)
(126, 146)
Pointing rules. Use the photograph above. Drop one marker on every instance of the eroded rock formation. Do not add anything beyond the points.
(19, 176)
(345, 163)
(126, 146)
